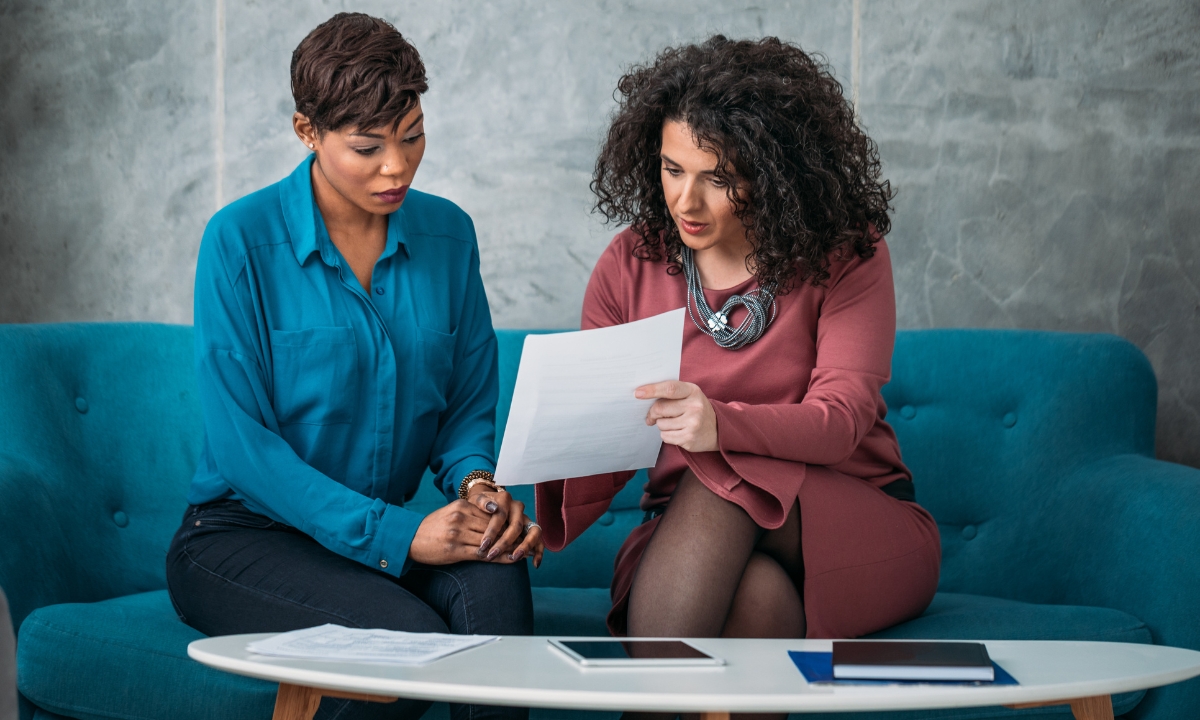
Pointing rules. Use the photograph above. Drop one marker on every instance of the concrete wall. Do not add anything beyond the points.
(1047, 155)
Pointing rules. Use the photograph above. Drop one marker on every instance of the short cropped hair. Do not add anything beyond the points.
(356, 71)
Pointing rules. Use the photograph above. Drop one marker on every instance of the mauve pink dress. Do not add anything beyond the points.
(799, 416)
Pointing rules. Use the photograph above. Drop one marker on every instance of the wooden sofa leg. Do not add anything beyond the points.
(296, 702)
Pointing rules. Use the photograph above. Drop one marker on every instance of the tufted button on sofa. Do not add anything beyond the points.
(1033, 450)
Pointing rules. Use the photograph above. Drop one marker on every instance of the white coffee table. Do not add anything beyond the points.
(759, 677)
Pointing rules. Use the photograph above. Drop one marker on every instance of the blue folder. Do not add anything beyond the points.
(817, 667)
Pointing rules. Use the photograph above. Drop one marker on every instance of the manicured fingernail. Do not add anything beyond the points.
(492, 555)
(517, 555)
(639, 393)
(483, 546)
(491, 507)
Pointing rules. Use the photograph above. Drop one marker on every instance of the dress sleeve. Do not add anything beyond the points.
(856, 330)
(467, 427)
(242, 430)
(565, 508)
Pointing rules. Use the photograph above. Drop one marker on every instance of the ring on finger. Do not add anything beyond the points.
(531, 525)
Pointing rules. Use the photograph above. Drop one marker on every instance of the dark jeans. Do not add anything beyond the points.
(233, 571)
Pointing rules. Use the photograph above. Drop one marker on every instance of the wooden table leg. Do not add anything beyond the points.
(1097, 707)
(297, 702)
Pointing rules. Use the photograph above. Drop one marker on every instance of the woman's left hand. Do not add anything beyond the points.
(683, 414)
(506, 539)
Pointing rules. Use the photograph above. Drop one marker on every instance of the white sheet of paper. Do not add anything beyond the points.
(335, 642)
(573, 410)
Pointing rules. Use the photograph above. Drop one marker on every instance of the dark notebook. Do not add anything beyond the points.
(872, 660)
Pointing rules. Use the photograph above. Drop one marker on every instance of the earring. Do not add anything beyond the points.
(311, 145)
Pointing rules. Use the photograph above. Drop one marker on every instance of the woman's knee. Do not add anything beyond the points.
(477, 597)
(766, 604)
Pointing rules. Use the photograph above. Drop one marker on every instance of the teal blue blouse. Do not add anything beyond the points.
(323, 403)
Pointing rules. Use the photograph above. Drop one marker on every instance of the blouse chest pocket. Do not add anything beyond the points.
(435, 358)
(315, 375)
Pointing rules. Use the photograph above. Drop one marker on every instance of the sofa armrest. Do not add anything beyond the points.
(35, 566)
(1124, 533)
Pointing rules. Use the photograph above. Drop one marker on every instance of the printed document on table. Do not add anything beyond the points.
(334, 642)
(573, 410)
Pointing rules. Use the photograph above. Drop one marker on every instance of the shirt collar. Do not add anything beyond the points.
(306, 227)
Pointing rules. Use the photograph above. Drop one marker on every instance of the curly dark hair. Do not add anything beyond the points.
(782, 131)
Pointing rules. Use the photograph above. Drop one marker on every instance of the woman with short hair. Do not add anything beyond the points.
(343, 346)
(779, 505)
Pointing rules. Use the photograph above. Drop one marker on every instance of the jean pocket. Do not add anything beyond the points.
(315, 375)
(437, 366)
(230, 514)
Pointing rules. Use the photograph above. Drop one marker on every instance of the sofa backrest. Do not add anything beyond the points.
(99, 434)
(990, 421)
(100, 430)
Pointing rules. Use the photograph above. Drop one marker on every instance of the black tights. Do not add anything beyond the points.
(753, 578)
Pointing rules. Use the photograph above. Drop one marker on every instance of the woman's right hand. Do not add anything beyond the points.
(451, 534)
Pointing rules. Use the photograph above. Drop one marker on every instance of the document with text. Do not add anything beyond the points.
(573, 409)
(335, 642)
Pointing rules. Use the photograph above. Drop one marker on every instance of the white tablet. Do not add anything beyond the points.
(634, 652)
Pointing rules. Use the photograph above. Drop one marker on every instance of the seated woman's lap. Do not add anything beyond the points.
(704, 541)
(232, 571)
(859, 560)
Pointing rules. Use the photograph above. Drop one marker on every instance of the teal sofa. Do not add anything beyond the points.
(1033, 450)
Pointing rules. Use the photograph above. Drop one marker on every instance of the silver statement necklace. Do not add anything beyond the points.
(759, 304)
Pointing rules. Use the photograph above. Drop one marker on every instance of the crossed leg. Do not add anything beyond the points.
(753, 578)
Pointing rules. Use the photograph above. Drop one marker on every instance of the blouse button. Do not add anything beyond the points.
(379, 290)
(908, 412)
(383, 563)
(1009, 419)
(81, 405)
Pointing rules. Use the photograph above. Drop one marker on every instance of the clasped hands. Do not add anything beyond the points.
(490, 526)
(487, 526)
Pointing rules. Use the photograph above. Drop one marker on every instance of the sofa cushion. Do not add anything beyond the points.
(957, 616)
(127, 658)
(570, 611)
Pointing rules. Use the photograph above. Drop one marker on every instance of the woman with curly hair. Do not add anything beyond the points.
(779, 506)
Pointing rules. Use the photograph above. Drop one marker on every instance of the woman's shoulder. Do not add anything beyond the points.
(624, 287)
(249, 210)
(848, 266)
(252, 220)
(620, 259)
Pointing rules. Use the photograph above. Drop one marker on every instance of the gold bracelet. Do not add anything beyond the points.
(477, 477)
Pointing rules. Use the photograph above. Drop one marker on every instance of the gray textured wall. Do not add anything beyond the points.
(1047, 155)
